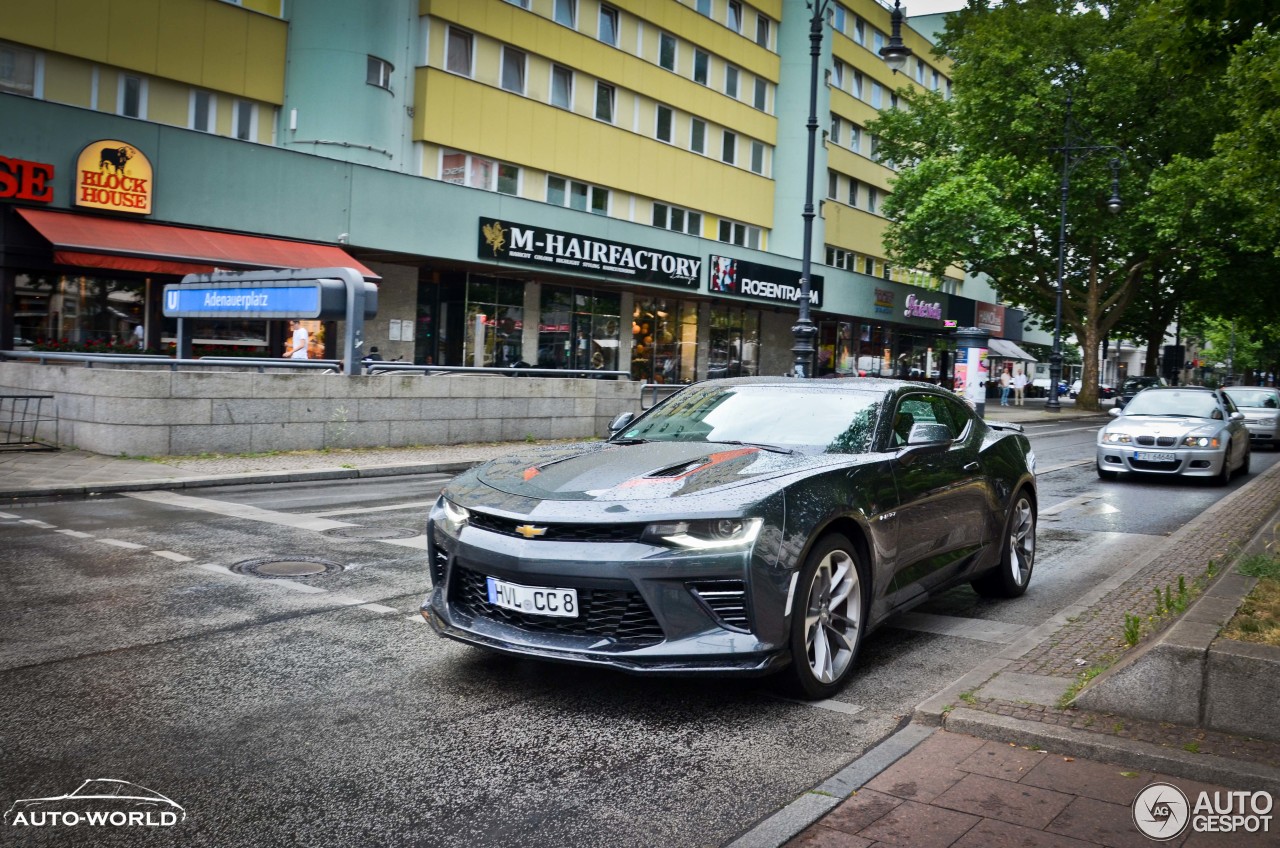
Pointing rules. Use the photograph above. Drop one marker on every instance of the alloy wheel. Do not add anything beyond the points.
(1022, 542)
(833, 616)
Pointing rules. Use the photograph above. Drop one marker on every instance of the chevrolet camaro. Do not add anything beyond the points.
(741, 526)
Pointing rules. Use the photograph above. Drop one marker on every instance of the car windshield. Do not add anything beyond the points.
(1137, 384)
(830, 421)
(1263, 398)
(1194, 404)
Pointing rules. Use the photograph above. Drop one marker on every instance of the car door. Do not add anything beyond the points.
(943, 499)
(1236, 427)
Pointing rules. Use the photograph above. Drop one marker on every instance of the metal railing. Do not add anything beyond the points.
(21, 418)
(508, 371)
(44, 357)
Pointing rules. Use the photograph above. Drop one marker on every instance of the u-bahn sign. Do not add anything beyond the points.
(264, 299)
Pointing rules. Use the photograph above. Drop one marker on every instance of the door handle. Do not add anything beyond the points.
(973, 466)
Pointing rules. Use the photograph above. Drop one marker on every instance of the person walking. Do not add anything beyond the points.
(1006, 383)
(1019, 388)
(297, 346)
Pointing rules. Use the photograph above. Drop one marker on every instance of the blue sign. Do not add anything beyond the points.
(222, 301)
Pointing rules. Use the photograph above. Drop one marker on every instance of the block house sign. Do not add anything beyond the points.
(115, 176)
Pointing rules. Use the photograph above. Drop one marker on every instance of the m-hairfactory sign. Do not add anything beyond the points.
(559, 251)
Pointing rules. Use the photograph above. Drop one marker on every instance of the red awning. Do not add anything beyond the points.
(160, 249)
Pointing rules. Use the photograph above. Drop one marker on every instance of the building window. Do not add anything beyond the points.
(837, 73)
(18, 71)
(604, 102)
(458, 52)
(860, 31)
(664, 124)
(132, 97)
(675, 218)
(378, 72)
(757, 157)
(608, 31)
(731, 81)
(203, 111)
(513, 69)
(523, 4)
(508, 179)
(920, 71)
(936, 77)
(853, 193)
(566, 12)
(698, 136)
(838, 14)
(833, 184)
(731, 232)
(857, 84)
(701, 64)
(562, 87)
(244, 121)
(855, 138)
(877, 41)
(704, 7)
(761, 99)
(873, 199)
(465, 169)
(576, 195)
(838, 258)
(835, 129)
(868, 266)
(667, 51)
(734, 18)
(762, 31)
(877, 95)
(729, 147)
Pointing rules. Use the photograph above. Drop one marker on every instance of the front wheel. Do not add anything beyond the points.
(1104, 474)
(1224, 476)
(1017, 555)
(828, 621)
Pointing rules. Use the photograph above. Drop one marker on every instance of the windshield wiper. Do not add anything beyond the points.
(761, 445)
(628, 441)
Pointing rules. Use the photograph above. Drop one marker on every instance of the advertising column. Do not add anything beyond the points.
(971, 367)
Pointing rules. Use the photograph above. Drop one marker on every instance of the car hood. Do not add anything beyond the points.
(1164, 425)
(611, 472)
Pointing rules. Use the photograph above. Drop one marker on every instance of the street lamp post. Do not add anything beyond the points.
(1072, 155)
(895, 55)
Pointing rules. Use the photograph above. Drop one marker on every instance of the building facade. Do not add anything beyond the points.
(563, 183)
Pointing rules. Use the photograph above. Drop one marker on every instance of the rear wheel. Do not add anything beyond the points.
(1017, 555)
(828, 619)
(1248, 458)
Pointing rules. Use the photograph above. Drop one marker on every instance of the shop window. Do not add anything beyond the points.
(513, 62)
(203, 111)
(495, 322)
(604, 102)
(378, 72)
(667, 51)
(701, 67)
(664, 346)
(698, 136)
(566, 12)
(458, 52)
(20, 70)
(675, 218)
(608, 26)
(734, 343)
(579, 329)
(131, 98)
(562, 87)
(762, 31)
(665, 120)
(76, 312)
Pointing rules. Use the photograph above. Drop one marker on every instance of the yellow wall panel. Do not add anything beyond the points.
(168, 103)
(79, 27)
(27, 23)
(264, 75)
(854, 229)
(67, 80)
(847, 106)
(222, 123)
(266, 7)
(226, 35)
(132, 32)
(181, 58)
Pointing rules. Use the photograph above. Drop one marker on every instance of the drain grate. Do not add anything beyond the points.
(278, 567)
(372, 533)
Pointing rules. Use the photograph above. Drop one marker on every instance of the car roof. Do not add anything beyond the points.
(865, 384)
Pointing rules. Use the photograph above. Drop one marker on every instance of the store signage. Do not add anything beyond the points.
(114, 175)
(950, 323)
(917, 308)
(264, 299)
(884, 302)
(990, 317)
(760, 282)
(23, 180)
(556, 250)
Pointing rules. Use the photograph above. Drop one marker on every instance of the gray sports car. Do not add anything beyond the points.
(740, 526)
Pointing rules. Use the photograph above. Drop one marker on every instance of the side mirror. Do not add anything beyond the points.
(1237, 416)
(1115, 411)
(929, 434)
(623, 419)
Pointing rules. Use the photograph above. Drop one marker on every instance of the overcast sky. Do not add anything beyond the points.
(929, 7)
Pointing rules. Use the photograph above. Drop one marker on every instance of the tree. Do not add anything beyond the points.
(981, 183)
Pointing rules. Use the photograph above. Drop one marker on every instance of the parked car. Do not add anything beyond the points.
(1261, 408)
(1105, 392)
(741, 526)
(1133, 385)
(1187, 430)
(1039, 387)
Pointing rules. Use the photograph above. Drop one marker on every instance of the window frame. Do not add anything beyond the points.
(667, 40)
(378, 72)
(507, 62)
(758, 165)
(729, 147)
(122, 86)
(612, 95)
(760, 97)
(731, 72)
(696, 145)
(670, 114)
(210, 110)
(570, 8)
(607, 12)
(763, 24)
(457, 35)
(551, 93)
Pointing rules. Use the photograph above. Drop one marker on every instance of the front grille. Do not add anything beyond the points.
(1147, 465)
(612, 614)
(437, 556)
(727, 601)
(1162, 441)
(560, 532)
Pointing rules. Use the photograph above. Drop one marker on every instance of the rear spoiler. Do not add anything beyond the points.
(1007, 426)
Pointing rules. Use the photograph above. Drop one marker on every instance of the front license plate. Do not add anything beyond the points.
(535, 600)
(1154, 456)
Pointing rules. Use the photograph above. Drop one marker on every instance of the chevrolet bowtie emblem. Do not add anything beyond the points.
(529, 531)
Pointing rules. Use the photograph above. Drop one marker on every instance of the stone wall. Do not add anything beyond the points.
(152, 412)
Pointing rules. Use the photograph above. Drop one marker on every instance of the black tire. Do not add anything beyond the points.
(1104, 474)
(1224, 476)
(828, 618)
(1011, 577)
(1248, 459)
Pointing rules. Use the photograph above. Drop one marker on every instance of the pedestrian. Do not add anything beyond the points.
(1006, 383)
(296, 348)
(1019, 387)
(138, 336)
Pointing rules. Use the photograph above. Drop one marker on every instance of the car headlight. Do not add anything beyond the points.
(1200, 442)
(704, 534)
(449, 517)
(1116, 438)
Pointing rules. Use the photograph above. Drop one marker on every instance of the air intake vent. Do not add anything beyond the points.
(727, 601)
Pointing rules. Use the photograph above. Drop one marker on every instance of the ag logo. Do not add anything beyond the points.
(1161, 811)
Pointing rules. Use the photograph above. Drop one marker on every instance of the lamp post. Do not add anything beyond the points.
(895, 55)
(1072, 154)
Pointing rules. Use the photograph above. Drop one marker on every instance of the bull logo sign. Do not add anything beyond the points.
(113, 175)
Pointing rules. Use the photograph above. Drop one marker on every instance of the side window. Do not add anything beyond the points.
(912, 410)
(961, 418)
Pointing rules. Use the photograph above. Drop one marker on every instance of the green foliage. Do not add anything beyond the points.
(1132, 629)
(1260, 565)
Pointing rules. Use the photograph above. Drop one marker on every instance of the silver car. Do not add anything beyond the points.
(1188, 430)
(1261, 408)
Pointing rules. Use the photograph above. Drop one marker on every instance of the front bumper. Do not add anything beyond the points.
(643, 609)
(1262, 431)
(1188, 462)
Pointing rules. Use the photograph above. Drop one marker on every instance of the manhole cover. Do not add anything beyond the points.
(283, 567)
(372, 533)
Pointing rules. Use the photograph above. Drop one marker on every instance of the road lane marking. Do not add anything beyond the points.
(1063, 506)
(7, 515)
(36, 523)
(362, 510)
(76, 534)
(1066, 430)
(979, 629)
(299, 587)
(132, 546)
(234, 510)
(379, 608)
(170, 555)
(828, 704)
(417, 542)
(1052, 468)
